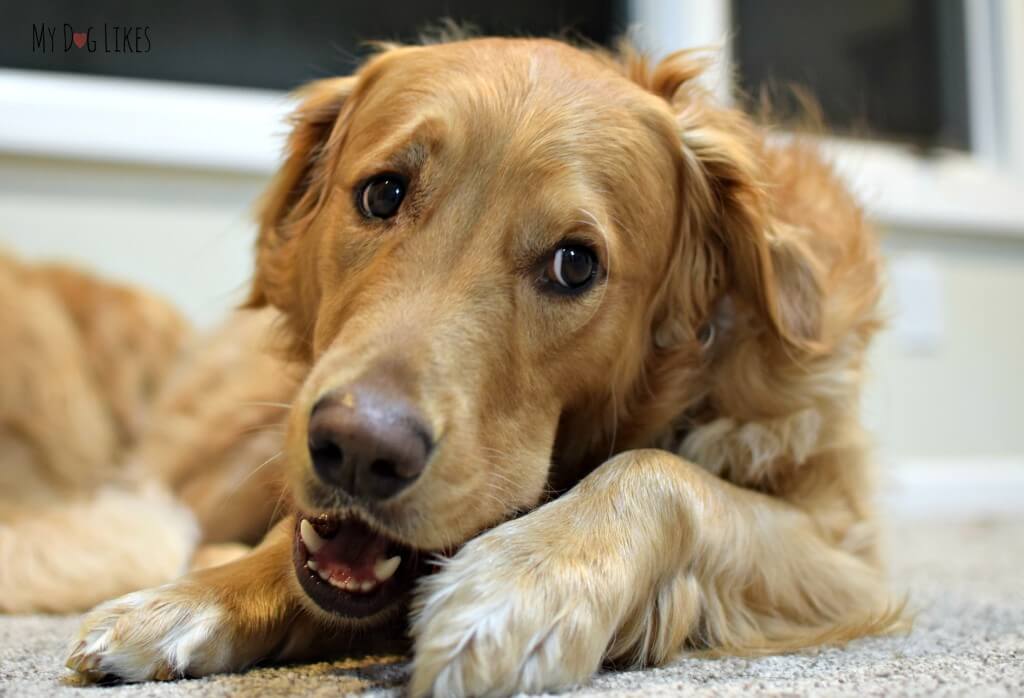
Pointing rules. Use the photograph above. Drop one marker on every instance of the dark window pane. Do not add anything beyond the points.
(266, 43)
(889, 69)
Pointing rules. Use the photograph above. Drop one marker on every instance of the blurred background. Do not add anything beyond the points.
(134, 139)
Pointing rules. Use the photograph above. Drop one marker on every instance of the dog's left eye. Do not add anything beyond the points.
(571, 269)
(381, 196)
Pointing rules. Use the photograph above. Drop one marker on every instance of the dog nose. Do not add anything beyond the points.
(368, 443)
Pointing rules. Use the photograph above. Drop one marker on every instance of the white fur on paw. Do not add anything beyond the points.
(154, 634)
(502, 619)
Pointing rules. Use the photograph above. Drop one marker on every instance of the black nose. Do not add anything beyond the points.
(368, 443)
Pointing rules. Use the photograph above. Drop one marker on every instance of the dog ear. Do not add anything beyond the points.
(748, 254)
(297, 189)
(766, 264)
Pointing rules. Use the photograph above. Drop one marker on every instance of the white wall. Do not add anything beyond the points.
(188, 234)
(963, 397)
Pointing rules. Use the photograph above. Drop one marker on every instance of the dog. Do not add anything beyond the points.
(577, 360)
(83, 360)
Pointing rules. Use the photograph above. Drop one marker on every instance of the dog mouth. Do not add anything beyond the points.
(350, 569)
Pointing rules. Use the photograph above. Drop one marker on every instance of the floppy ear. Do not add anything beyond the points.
(758, 261)
(297, 190)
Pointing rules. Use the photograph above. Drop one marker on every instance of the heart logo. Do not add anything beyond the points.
(79, 38)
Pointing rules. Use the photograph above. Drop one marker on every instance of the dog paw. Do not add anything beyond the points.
(507, 614)
(157, 634)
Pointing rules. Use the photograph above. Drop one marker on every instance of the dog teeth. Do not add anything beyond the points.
(384, 569)
(349, 585)
(353, 586)
(310, 539)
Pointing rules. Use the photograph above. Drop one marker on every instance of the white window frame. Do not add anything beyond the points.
(241, 130)
(146, 122)
(980, 192)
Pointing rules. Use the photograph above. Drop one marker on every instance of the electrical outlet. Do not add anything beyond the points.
(915, 281)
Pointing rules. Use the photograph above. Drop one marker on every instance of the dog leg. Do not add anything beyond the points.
(216, 554)
(215, 620)
(646, 556)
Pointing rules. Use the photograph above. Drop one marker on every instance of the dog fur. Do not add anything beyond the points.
(83, 360)
(672, 461)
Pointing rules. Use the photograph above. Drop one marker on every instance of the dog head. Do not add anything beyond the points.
(501, 261)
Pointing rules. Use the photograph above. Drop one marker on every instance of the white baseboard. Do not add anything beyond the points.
(956, 490)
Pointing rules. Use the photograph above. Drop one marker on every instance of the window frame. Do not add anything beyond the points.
(178, 125)
(146, 122)
(979, 192)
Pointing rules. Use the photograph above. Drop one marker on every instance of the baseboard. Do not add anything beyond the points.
(959, 490)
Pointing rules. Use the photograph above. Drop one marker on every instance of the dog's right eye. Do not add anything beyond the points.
(381, 196)
(571, 269)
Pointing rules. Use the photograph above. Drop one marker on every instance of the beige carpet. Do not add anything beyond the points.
(965, 580)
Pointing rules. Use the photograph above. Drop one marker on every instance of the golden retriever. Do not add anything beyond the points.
(83, 360)
(578, 355)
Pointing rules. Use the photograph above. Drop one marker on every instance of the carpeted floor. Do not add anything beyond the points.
(966, 582)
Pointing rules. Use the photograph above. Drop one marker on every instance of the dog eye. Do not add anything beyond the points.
(382, 195)
(571, 269)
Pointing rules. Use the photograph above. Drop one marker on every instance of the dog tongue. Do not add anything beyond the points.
(351, 553)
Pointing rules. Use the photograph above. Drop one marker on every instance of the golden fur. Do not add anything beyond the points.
(82, 362)
(683, 442)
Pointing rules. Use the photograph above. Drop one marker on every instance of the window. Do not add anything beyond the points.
(880, 69)
(266, 43)
(926, 96)
(923, 98)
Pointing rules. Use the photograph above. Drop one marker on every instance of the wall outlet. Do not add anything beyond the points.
(915, 282)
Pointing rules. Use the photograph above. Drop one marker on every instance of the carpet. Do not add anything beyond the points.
(965, 580)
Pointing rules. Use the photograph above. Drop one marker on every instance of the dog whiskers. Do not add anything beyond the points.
(258, 468)
(272, 427)
(277, 508)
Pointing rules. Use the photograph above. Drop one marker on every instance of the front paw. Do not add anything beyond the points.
(509, 613)
(157, 634)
